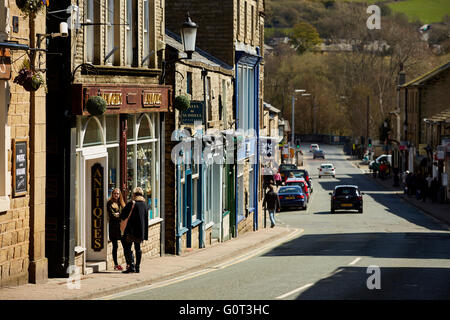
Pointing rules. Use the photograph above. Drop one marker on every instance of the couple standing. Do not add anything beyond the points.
(136, 230)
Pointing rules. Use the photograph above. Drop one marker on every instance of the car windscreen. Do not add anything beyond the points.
(289, 190)
(301, 184)
(327, 166)
(346, 192)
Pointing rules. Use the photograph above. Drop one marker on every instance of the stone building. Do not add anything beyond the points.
(200, 194)
(420, 99)
(22, 151)
(233, 31)
(114, 50)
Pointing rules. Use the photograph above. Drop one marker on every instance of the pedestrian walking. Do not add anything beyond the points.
(114, 207)
(272, 203)
(278, 179)
(136, 230)
(404, 182)
(429, 179)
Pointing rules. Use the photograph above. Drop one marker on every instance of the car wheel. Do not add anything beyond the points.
(334, 176)
(319, 177)
(360, 210)
(332, 210)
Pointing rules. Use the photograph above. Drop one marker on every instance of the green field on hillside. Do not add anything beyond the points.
(427, 11)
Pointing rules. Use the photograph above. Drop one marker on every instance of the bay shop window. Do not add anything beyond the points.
(143, 156)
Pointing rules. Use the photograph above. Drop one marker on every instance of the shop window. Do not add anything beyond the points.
(142, 161)
(113, 169)
(130, 128)
(92, 133)
(145, 130)
(112, 128)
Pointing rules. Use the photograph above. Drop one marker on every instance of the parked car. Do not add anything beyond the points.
(299, 182)
(284, 170)
(313, 147)
(292, 196)
(303, 173)
(345, 197)
(374, 164)
(327, 169)
(318, 154)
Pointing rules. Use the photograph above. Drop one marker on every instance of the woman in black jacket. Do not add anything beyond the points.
(136, 230)
(114, 206)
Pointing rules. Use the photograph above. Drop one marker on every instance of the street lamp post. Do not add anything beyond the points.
(293, 119)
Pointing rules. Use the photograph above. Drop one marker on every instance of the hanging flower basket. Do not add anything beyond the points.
(31, 7)
(96, 105)
(182, 103)
(28, 78)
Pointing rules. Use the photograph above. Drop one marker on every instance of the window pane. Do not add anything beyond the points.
(144, 173)
(130, 128)
(112, 129)
(90, 31)
(110, 30)
(146, 33)
(129, 29)
(113, 169)
(131, 164)
(144, 129)
(93, 135)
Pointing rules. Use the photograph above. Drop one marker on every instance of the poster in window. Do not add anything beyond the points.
(20, 167)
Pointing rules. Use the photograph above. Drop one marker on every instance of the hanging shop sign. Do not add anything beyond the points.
(5, 64)
(20, 167)
(193, 113)
(123, 98)
(98, 216)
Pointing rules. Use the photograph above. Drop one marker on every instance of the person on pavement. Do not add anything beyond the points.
(114, 207)
(278, 179)
(272, 203)
(136, 230)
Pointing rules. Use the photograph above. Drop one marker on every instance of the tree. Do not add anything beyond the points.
(304, 37)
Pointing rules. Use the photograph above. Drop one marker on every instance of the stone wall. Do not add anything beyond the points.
(22, 227)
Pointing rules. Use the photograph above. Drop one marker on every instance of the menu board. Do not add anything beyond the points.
(20, 167)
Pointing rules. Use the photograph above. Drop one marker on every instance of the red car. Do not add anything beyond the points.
(299, 182)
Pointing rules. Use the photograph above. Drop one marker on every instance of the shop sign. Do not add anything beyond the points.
(151, 99)
(20, 167)
(97, 218)
(112, 98)
(193, 114)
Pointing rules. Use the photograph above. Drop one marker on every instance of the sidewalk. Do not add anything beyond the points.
(152, 270)
(440, 211)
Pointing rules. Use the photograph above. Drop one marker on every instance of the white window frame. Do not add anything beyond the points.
(109, 31)
(146, 31)
(129, 29)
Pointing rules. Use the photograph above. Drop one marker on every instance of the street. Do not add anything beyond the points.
(330, 257)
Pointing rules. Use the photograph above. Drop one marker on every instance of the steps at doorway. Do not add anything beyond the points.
(96, 266)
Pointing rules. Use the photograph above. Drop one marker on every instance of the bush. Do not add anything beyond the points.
(182, 103)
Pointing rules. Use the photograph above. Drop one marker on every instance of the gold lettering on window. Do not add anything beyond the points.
(151, 99)
(112, 99)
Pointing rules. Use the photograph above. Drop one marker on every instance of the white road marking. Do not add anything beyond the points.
(295, 291)
(354, 261)
(241, 258)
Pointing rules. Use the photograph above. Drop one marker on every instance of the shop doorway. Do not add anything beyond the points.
(95, 198)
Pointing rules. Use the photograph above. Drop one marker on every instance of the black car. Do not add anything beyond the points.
(345, 197)
(318, 154)
(284, 170)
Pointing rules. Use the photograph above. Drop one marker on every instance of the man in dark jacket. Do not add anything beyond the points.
(272, 204)
(136, 230)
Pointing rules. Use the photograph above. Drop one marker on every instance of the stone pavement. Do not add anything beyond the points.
(440, 211)
(153, 270)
